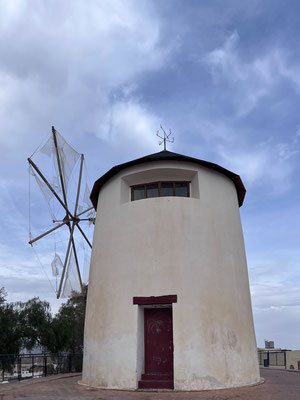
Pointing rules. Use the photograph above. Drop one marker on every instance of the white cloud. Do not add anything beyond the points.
(23, 276)
(279, 324)
(63, 62)
(276, 299)
(249, 80)
(129, 120)
(77, 66)
(267, 164)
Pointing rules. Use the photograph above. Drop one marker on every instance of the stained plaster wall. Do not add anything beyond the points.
(292, 359)
(192, 247)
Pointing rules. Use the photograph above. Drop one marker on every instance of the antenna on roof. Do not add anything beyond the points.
(165, 138)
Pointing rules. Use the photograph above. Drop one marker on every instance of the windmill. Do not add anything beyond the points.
(60, 173)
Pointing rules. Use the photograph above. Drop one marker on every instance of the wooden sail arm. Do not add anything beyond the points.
(79, 183)
(77, 265)
(83, 234)
(59, 166)
(46, 233)
(85, 211)
(50, 187)
(65, 262)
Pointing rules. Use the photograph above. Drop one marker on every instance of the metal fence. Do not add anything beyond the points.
(272, 358)
(25, 366)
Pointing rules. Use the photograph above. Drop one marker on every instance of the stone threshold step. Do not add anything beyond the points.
(156, 384)
(156, 377)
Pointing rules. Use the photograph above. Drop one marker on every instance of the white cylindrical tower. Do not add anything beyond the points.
(168, 300)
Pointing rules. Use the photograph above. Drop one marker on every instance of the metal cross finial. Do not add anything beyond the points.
(165, 138)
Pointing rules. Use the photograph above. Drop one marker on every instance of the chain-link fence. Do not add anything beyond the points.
(24, 366)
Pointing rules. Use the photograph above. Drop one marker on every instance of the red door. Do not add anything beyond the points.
(159, 342)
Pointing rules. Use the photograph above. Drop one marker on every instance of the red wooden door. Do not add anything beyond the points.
(158, 342)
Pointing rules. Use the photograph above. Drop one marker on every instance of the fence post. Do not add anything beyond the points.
(45, 365)
(32, 365)
(19, 361)
(70, 362)
(285, 360)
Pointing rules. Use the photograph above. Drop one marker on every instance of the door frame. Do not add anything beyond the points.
(149, 302)
(154, 300)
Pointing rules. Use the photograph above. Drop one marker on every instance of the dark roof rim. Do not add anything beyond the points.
(165, 156)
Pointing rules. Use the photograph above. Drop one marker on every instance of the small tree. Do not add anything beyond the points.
(30, 324)
(10, 341)
(3, 295)
(35, 321)
(9, 333)
(68, 324)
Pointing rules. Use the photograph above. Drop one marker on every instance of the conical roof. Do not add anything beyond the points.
(169, 156)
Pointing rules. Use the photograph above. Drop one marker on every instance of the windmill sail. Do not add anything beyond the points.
(56, 265)
(67, 156)
(60, 174)
(71, 281)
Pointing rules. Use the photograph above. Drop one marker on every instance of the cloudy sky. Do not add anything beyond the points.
(223, 75)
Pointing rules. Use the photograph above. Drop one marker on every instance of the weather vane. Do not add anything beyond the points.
(165, 138)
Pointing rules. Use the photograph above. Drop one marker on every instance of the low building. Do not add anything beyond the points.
(271, 357)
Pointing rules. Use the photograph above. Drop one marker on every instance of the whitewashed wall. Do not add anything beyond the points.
(192, 247)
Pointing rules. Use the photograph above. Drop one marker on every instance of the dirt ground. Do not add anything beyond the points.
(279, 385)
